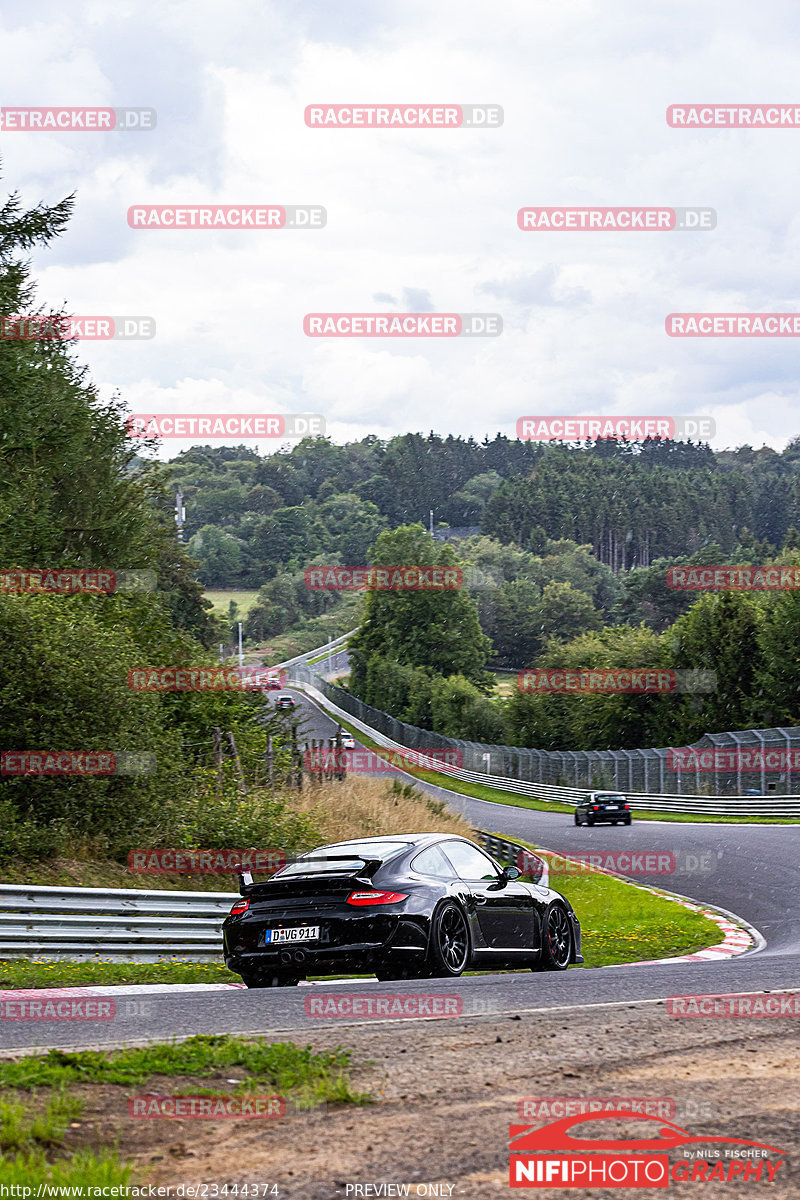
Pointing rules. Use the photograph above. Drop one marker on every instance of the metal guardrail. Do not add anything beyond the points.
(511, 852)
(122, 925)
(334, 699)
(302, 659)
(128, 925)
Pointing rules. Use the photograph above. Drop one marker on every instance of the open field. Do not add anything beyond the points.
(221, 598)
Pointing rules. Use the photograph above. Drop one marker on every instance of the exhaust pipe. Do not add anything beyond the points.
(299, 956)
(286, 956)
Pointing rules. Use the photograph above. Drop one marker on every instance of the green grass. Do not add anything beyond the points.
(39, 973)
(30, 1129)
(497, 796)
(106, 873)
(83, 1171)
(222, 597)
(21, 1130)
(326, 654)
(280, 1067)
(622, 923)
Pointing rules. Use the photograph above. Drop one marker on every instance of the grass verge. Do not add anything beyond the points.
(623, 923)
(44, 1098)
(39, 973)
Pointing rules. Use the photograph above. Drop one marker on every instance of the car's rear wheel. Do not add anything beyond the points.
(449, 951)
(628, 821)
(274, 979)
(577, 822)
(556, 938)
(590, 820)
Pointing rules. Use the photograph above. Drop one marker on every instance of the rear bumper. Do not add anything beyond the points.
(346, 943)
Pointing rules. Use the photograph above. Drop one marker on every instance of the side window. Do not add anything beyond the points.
(432, 862)
(469, 861)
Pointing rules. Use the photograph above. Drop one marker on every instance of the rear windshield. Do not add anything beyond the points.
(609, 797)
(359, 850)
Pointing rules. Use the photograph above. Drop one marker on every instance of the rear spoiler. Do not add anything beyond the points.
(368, 868)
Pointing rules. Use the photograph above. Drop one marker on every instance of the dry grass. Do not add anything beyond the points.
(363, 807)
(358, 806)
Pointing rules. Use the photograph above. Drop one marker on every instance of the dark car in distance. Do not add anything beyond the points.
(612, 807)
(409, 906)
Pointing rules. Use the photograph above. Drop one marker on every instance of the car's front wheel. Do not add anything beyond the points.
(449, 950)
(556, 938)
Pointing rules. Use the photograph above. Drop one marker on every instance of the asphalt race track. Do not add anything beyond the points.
(756, 876)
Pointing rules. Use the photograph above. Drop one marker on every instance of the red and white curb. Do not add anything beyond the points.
(139, 989)
(739, 937)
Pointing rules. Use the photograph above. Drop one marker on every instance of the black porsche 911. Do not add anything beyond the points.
(409, 906)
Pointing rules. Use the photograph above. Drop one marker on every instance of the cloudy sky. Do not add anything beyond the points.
(420, 220)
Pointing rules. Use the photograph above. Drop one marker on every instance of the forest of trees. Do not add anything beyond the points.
(75, 494)
(248, 516)
(569, 569)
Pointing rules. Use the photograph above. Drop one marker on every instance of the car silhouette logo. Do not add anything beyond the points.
(557, 1135)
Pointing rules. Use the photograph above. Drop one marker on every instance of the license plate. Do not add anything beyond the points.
(300, 933)
(612, 808)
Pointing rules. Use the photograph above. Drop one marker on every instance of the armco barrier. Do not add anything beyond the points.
(302, 659)
(124, 925)
(374, 724)
(128, 925)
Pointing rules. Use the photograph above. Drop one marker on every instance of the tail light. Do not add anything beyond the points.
(361, 899)
(627, 806)
(596, 808)
(241, 906)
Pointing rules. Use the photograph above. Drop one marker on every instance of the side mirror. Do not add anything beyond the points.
(511, 872)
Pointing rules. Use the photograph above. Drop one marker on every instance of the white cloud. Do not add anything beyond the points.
(426, 216)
